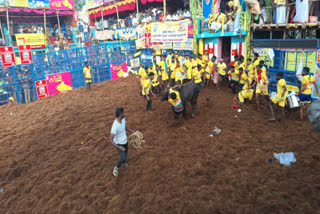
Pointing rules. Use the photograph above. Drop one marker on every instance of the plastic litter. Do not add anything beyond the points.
(285, 158)
(235, 116)
(239, 110)
(211, 135)
(11, 113)
(216, 130)
(2, 190)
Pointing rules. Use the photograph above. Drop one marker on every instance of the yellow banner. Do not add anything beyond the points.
(169, 31)
(293, 59)
(187, 46)
(33, 39)
(19, 3)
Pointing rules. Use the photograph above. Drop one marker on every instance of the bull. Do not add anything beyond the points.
(314, 115)
(189, 92)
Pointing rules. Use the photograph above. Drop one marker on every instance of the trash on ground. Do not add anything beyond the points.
(2, 190)
(285, 158)
(216, 130)
(11, 113)
(239, 110)
(211, 135)
(235, 116)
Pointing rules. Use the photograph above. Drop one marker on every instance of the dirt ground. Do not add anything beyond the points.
(180, 169)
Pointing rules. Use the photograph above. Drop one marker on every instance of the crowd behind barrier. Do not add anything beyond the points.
(19, 81)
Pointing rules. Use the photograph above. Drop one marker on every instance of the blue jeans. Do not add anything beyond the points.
(123, 155)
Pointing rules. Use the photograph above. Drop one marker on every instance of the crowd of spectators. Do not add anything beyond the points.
(148, 16)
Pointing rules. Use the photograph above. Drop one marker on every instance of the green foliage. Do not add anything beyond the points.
(78, 4)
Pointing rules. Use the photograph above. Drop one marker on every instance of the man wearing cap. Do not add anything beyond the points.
(118, 139)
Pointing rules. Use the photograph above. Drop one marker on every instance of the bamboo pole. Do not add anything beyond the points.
(101, 9)
(58, 21)
(164, 9)
(1, 31)
(137, 7)
(117, 14)
(45, 22)
(8, 24)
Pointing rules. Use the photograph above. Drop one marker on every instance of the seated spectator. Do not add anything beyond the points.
(218, 20)
(228, 27)
(168, 17)
(160, 16)
(154, 17)
(186, 14)
(134, 21)
(175, 17)
(97, 25)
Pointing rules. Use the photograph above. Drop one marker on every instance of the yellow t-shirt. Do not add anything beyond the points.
(263, 82)
(196, 75)
(210, 65)
(235, 75)
(178, 74)
(172, 65)
(87, 72)
(207, 73)
(169, 57)
(222, 68)
(177, 101)
(264, 69)
(236, 66)
(146, 85)
(199, 61)
(307, 80)
(143, 73)
(252, 72)
(155, 81)
(280, 89)
(256, 63)
(189, 69)
(205, 58)
(161, 65)
(164, 75)
(280, 1)
(244, 78)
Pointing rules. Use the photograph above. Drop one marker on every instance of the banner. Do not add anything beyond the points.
(135, 63)
(39, 4)
(188, 45)
(7, 56)
(167, 45)
(190, 31)
(25, 54)
(140, 42)
(118, 71)
(317, 78)
(42, 88)
(104, 35)
(292, 58)
(169, 31)
(62, 4)
(58, 83)
(18, 3)
(127, 34)
(36, 40)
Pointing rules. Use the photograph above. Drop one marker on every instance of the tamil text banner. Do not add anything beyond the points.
(62, 4)
(7, 56)
(36, 40)
(186, 46)
(118, 71)
(58, 83)
(25, 54)
(169, 31)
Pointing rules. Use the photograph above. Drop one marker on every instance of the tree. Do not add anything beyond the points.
(78, 5)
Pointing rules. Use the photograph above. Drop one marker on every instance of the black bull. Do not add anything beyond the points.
(314, 114)
(188, 92)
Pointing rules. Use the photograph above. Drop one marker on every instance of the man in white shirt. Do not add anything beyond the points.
(118, 139)
(97, 25)
(105, 24)
(168, 17)
(134, 21)
(175, 17)
(186, 14)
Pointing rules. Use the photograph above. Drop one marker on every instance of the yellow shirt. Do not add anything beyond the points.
(210, 65)
(175, 102)
(164, 75)
(161, 65)
(172, 65)
(155, 81)
(235, 75)
(207, 72)
(143, 73)
(169, 57)
(146, 85)
(199, 61)
(280, 89)
(222, 68)
(307, 80)
(189, 69)
(178, 75)
(196, 75)
(205, 58)
(244, 78)
(236, 66)
(263, 83)
(87, 72)
(252, 72)
(264, 69)
(256, 63)
(280, 1)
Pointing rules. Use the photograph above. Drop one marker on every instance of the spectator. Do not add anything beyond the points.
(134, 21)
(186, 14)
(130, 20)
(97, 25)
(105, 24)
(280, 11)
(154, 17)
(175, 17)
(168, 17)
(160, 16)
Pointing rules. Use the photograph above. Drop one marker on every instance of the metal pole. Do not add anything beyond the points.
(101, 9)
(58, 21)
(137, 7)
(117, 13)
(1, 31)
(164, 9)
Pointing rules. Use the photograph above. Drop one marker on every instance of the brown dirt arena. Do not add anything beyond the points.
(180, 169)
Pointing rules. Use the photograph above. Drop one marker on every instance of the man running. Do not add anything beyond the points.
(118, 139)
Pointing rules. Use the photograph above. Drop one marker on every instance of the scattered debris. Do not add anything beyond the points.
(11, 113)
(239, 110)
(235, 116)
(216, 130)
(2, 190)
(285, 158)
(211, 135)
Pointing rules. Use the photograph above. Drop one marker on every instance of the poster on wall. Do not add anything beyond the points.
(135, 63)
(42, 88)
(25, 54)
(18, 3)
(169, 31)
(62, 4)
(35, 40)
(39, 4)
(118, 71)
(188, 45)
(308, 59)
(58, 83)
(7, 56)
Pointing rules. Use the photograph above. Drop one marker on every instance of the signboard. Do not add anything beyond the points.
(62, 4)
(7, 56)
(292, 58)
(58, 83)
(35, 40)
(118, 71)
(25, 54)
(188, 45)
(167, 45)
(169, 31)
(104, 35)
(39, 4)
(318, 56)
(42, 88)
(18, 3)
(135, 63)
(127, 34)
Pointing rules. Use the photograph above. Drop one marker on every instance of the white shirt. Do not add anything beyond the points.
(134, 21)
(105, 24)
(97, 25)
(119, 130)
(169, 18)
(149, 19)
(175, 18)
(186, 14)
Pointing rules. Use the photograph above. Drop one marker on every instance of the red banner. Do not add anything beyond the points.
(25, 54)
(7, 56)
(42, 88)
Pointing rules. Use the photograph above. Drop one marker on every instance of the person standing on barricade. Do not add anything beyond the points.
(87, 75)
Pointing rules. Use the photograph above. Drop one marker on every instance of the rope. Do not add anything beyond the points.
(136, 139)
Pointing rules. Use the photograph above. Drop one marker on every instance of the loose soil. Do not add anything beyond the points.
(180, 169)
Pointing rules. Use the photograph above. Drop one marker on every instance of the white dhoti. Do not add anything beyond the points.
(281, 12)
(215, 26)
